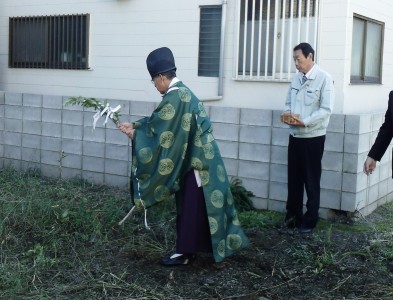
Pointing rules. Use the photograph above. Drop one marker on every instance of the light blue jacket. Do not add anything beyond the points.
(313, 101)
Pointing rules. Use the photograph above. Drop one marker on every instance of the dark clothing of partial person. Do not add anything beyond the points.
(385, 134)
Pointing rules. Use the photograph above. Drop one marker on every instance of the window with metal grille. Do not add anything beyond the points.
(49, 42)
(209, 41)
(268, 30)
(367, 45)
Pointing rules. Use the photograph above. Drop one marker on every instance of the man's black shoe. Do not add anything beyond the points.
(304, 230)
(183, 259)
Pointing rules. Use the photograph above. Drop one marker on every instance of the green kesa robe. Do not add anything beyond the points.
(175, 139)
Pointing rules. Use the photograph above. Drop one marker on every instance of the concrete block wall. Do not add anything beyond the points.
(38, 132)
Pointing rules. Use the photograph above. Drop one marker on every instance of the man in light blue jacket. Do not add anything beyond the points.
(308, 107)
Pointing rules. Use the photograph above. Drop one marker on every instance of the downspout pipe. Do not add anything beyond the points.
(222, 47)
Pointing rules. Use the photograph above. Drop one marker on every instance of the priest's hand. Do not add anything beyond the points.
(127, 128)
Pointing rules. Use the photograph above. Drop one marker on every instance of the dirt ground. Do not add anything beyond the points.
(338, 261)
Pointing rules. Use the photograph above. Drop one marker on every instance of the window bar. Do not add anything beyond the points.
(308, 20)
(299, 24)
(275, 34)
(72, 38)
(252, 39)
(62, 42)
(290, 41)
(245, 38)
(87, 29)
(267, 38)
(50, 46)
(316, 16)
(260, 39)
(283, 20)
(78, 50)
(236, 66)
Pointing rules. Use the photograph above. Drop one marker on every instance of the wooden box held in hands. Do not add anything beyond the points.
(288, 118)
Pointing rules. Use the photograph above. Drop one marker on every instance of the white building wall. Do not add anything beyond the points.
(369, 98)
(123, 32)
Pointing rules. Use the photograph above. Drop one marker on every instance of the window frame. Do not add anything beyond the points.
(212, 69)
(59, 42)
(363, 79)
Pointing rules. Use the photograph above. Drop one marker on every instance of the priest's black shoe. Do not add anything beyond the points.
(290, 223)
(181, 260)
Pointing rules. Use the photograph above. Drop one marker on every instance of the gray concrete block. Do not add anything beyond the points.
(358, 124)
(72, 146)
(280, 136)
(278, 173)
(120, 152)
(13, 99)
(32, 100)
(12, 138)
(2, 97)
(331, 180)
(29, 166)
(54, 102)
(255, 134)
(353, 163)
(13, 125)
(73, 161)
(69, 173)
(13, 112)
(141, 108)
(231, 166)
(278, 191)
(336, 123)
(51, 143)
(353, 201)
(226, 132)
(260, 188)
(116, 167)
(384, 171)
(31, 155)
(32, 113)
(51, 115)
(115, 136)
(372, 194)
(12, 152)
(31, 141)
(228, 149)
(50, 171)
(356, 143)
(256, 170)
(94, 149)
(14, 164)
(93, 177)
(377, 120)
(31, 127)
(117, 181)
(278, 206)
(228, 115)
(94, 164)
(72, 132)
(354, 183)
(332, 161)
(334, 142)
(51, 129)
(72, 117)
(88, 120)
(98, 135)
(256, 117)
(279, 155)
(254, 152)
(373, 178)
(50, 158)
(125, 106)
(330, 199)
(260, 203)
(276, 120)
(383, 188)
